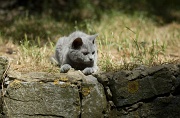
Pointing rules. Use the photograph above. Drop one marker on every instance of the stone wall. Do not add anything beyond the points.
(142, 92)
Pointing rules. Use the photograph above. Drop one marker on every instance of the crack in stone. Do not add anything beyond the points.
(49, 115)
(21, 100)
(80, 97)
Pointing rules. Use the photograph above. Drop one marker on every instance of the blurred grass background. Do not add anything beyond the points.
(131, 33)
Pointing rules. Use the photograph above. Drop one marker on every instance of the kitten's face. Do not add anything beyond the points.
(82, 51)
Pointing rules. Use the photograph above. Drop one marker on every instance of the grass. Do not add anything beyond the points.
(124, 42)
(132, 41)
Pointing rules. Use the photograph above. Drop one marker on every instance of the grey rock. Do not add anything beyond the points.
(94, 101)
(41, 94)
(3, 66)
(3, 69)
(161, 107)
(131, 87)
(38, 99)
(71, 76)
(103, 77)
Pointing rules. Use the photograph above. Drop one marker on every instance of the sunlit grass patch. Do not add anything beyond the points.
(33, 57)
(132, 41)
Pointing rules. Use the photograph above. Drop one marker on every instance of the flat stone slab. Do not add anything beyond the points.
(24, 99)
(41, 94)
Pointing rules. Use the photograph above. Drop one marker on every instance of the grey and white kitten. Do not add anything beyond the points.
(78, 51)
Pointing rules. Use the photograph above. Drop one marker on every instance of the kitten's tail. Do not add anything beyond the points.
(54, 61)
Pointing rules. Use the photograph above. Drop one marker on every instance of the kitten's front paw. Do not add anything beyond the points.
(64, 68)
(88, 71)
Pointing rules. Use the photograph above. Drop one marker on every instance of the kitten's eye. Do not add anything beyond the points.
(93, 52)
(85, 53)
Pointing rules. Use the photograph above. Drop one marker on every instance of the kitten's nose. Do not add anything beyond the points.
(91, 59)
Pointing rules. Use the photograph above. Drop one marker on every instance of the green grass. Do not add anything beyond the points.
(124, 42)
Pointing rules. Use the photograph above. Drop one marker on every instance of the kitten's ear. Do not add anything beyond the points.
(93, 37)
(77, 43)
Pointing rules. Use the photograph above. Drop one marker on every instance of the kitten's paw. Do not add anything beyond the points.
(88, 71)
(64, 68)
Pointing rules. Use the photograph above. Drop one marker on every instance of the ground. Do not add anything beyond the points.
(124, 42)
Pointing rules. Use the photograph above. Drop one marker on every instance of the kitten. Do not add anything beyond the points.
(78, 51)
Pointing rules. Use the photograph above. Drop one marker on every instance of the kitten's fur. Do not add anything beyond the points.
(78, 51)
